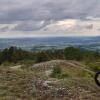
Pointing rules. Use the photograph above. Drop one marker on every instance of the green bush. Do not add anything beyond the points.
(57, 73)
(94, 67)
(85, 74)
(41, 57)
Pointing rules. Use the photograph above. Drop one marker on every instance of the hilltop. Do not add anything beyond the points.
(35, 82)
(66, 74)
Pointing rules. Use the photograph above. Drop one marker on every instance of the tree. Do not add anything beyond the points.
(72, 53)
(41, 57)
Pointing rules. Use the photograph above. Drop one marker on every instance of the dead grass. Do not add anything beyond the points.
(34, 84)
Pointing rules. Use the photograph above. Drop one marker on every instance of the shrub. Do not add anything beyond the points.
(57, 73)
(41, 57)
(85, 74)
(94, 67)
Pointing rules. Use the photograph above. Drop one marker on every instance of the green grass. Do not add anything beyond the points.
(94, 66)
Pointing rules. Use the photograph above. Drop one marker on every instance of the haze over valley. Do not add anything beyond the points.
(45, 43)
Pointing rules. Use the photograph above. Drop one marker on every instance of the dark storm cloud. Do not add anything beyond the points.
(15, 15)
(14, 11)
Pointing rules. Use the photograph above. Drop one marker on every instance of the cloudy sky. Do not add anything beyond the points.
(26, 18)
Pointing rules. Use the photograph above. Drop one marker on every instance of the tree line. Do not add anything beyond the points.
(15, 55)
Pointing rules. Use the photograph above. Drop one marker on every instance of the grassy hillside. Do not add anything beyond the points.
(35, 82)
(35, 76)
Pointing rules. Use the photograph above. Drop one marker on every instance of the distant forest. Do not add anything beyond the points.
(14, 55)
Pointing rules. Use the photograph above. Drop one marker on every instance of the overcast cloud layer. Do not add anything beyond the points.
(49, 17)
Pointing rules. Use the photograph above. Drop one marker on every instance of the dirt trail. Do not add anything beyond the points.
(16, 67)
(67, 62)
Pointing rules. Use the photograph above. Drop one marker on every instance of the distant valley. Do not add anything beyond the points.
(38, 44)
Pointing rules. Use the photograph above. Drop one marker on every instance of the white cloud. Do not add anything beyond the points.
(7, 27)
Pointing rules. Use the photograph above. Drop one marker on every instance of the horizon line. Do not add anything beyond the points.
(47, 37)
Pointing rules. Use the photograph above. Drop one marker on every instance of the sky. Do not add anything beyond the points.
(39, 18)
